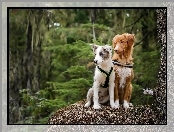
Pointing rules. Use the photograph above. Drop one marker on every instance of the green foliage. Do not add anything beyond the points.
(146, 73)
(96, 26)
(138, 98)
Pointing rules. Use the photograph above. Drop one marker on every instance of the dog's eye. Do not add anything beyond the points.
(105, 50)
(100, 53)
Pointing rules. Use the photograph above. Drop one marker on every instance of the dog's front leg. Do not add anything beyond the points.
(127, 93)
(111, 94)
(116, 90)
(126, 97)
(95, 98)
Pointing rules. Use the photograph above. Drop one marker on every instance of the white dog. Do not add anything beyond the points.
(103, 86)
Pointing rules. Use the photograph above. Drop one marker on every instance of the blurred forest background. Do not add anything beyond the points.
(50, 60)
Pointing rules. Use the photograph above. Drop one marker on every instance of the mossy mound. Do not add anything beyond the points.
(78, 114)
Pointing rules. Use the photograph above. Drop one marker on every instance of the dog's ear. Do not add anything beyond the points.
(114, 40)
(94, 47)
(130, 38)
(108, 47)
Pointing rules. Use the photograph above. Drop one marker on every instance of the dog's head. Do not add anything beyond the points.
(122, 42)
(102, 53)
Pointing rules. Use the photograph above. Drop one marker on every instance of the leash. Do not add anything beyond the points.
(106, 84)
(115, 62)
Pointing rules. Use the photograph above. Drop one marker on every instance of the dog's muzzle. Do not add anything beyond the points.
(119, 51)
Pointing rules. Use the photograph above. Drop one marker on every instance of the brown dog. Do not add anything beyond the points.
(123, 67)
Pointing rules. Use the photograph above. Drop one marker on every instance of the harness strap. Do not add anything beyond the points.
(106, 84)
(119, 64)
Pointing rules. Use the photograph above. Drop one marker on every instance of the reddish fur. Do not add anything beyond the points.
(123, 57)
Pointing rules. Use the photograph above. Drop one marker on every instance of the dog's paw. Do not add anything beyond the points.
(130, 104)
(117, 104)
(125, 104)
(114, 106)
(87, 104)
(97, 106)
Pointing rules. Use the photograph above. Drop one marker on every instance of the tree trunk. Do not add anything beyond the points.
(93, 17)
(145, 43)
(28, 58)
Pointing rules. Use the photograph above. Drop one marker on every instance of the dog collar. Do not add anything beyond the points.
(106, 84)
(115, 62)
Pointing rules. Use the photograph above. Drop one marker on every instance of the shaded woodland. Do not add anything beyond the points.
(50, 60)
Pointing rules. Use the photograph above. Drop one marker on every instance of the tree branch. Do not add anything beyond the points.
(142, 39)
(136, 20)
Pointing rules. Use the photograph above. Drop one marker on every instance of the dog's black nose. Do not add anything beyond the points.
(95, 61)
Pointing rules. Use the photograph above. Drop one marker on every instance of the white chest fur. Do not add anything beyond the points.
(101, 77)
(123, 73)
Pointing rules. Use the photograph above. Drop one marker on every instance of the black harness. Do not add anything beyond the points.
(115, 62)
(106, 84)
